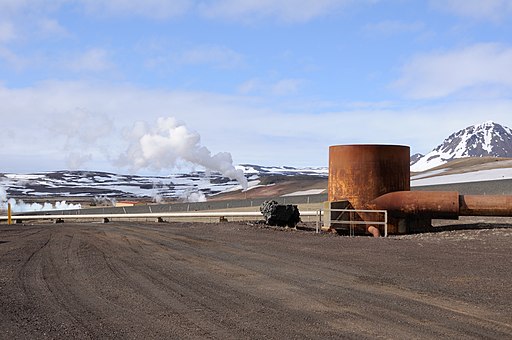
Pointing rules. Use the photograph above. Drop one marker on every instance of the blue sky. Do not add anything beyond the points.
(271, 82)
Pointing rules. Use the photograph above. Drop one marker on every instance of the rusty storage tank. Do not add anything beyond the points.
(362, 172)
(378, 177)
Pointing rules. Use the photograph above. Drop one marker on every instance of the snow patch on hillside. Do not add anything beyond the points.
(175, 186)
(488, 139)
(305, 192)
(475, 176)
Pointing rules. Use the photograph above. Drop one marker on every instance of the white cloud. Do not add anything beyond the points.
(63, 124)
(82, 125)
(7, 31)
(9, 8)
(249, 86)
(281, 87)
(285, 10)
(286, 87)
(158, 9)
(391, 27)
(14, 60)
(479, 9)
(24, 20)
(240, 10)
(51, 28)
(215, 55)
(82, 131)
(92, 60)
(52, 125)
(441, 74)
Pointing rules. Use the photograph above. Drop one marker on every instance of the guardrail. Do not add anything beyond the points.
(206, 214)
(210, 214)
(209, 205)
(330, 222)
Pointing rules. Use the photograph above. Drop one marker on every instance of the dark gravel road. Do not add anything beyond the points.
(235, 281)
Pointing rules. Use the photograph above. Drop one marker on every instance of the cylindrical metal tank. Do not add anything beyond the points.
(361, 173)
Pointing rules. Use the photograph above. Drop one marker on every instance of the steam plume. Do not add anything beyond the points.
(194, 196)
(104, 200)
(3, 195)
(83, 132)
(169, 142)
(20, 206)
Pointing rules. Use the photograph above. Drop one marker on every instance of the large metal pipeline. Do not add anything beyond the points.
(485, 205)
(442, 204)
(423, 204)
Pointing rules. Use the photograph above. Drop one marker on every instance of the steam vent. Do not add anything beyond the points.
(377, 177)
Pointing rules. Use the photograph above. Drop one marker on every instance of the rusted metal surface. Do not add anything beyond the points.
(485, 205)
(378, 177)
(361, 173)
(443, 204)
(421, 204)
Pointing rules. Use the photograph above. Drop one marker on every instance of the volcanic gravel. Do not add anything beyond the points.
(238, 281)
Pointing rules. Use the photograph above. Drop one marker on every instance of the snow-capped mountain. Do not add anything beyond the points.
(416, 157)
(184, 186)
(488, 139)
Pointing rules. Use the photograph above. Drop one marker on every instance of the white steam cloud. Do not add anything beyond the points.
(169, 142)
(157, 196)
(85, 133)
(3, 195)
(194, 196)
(103, 200)
(18, 206)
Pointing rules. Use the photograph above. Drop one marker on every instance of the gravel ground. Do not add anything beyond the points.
(239, 281)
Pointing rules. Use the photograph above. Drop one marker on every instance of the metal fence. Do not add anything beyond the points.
(204, 216)
(200, 211)
(341, 218)
(190, 207)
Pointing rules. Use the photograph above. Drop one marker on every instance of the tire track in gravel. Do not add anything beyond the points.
(103, 293)
(130, 280)
(190, 292)
(16, 309)
(430, 311)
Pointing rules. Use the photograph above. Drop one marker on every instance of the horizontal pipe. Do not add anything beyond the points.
(485, 205)
(423, 204)
(149, 215)
(443, 204)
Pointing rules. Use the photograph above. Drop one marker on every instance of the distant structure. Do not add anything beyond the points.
(126, 203)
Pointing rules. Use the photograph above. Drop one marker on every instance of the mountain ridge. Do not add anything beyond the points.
(488, 139)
